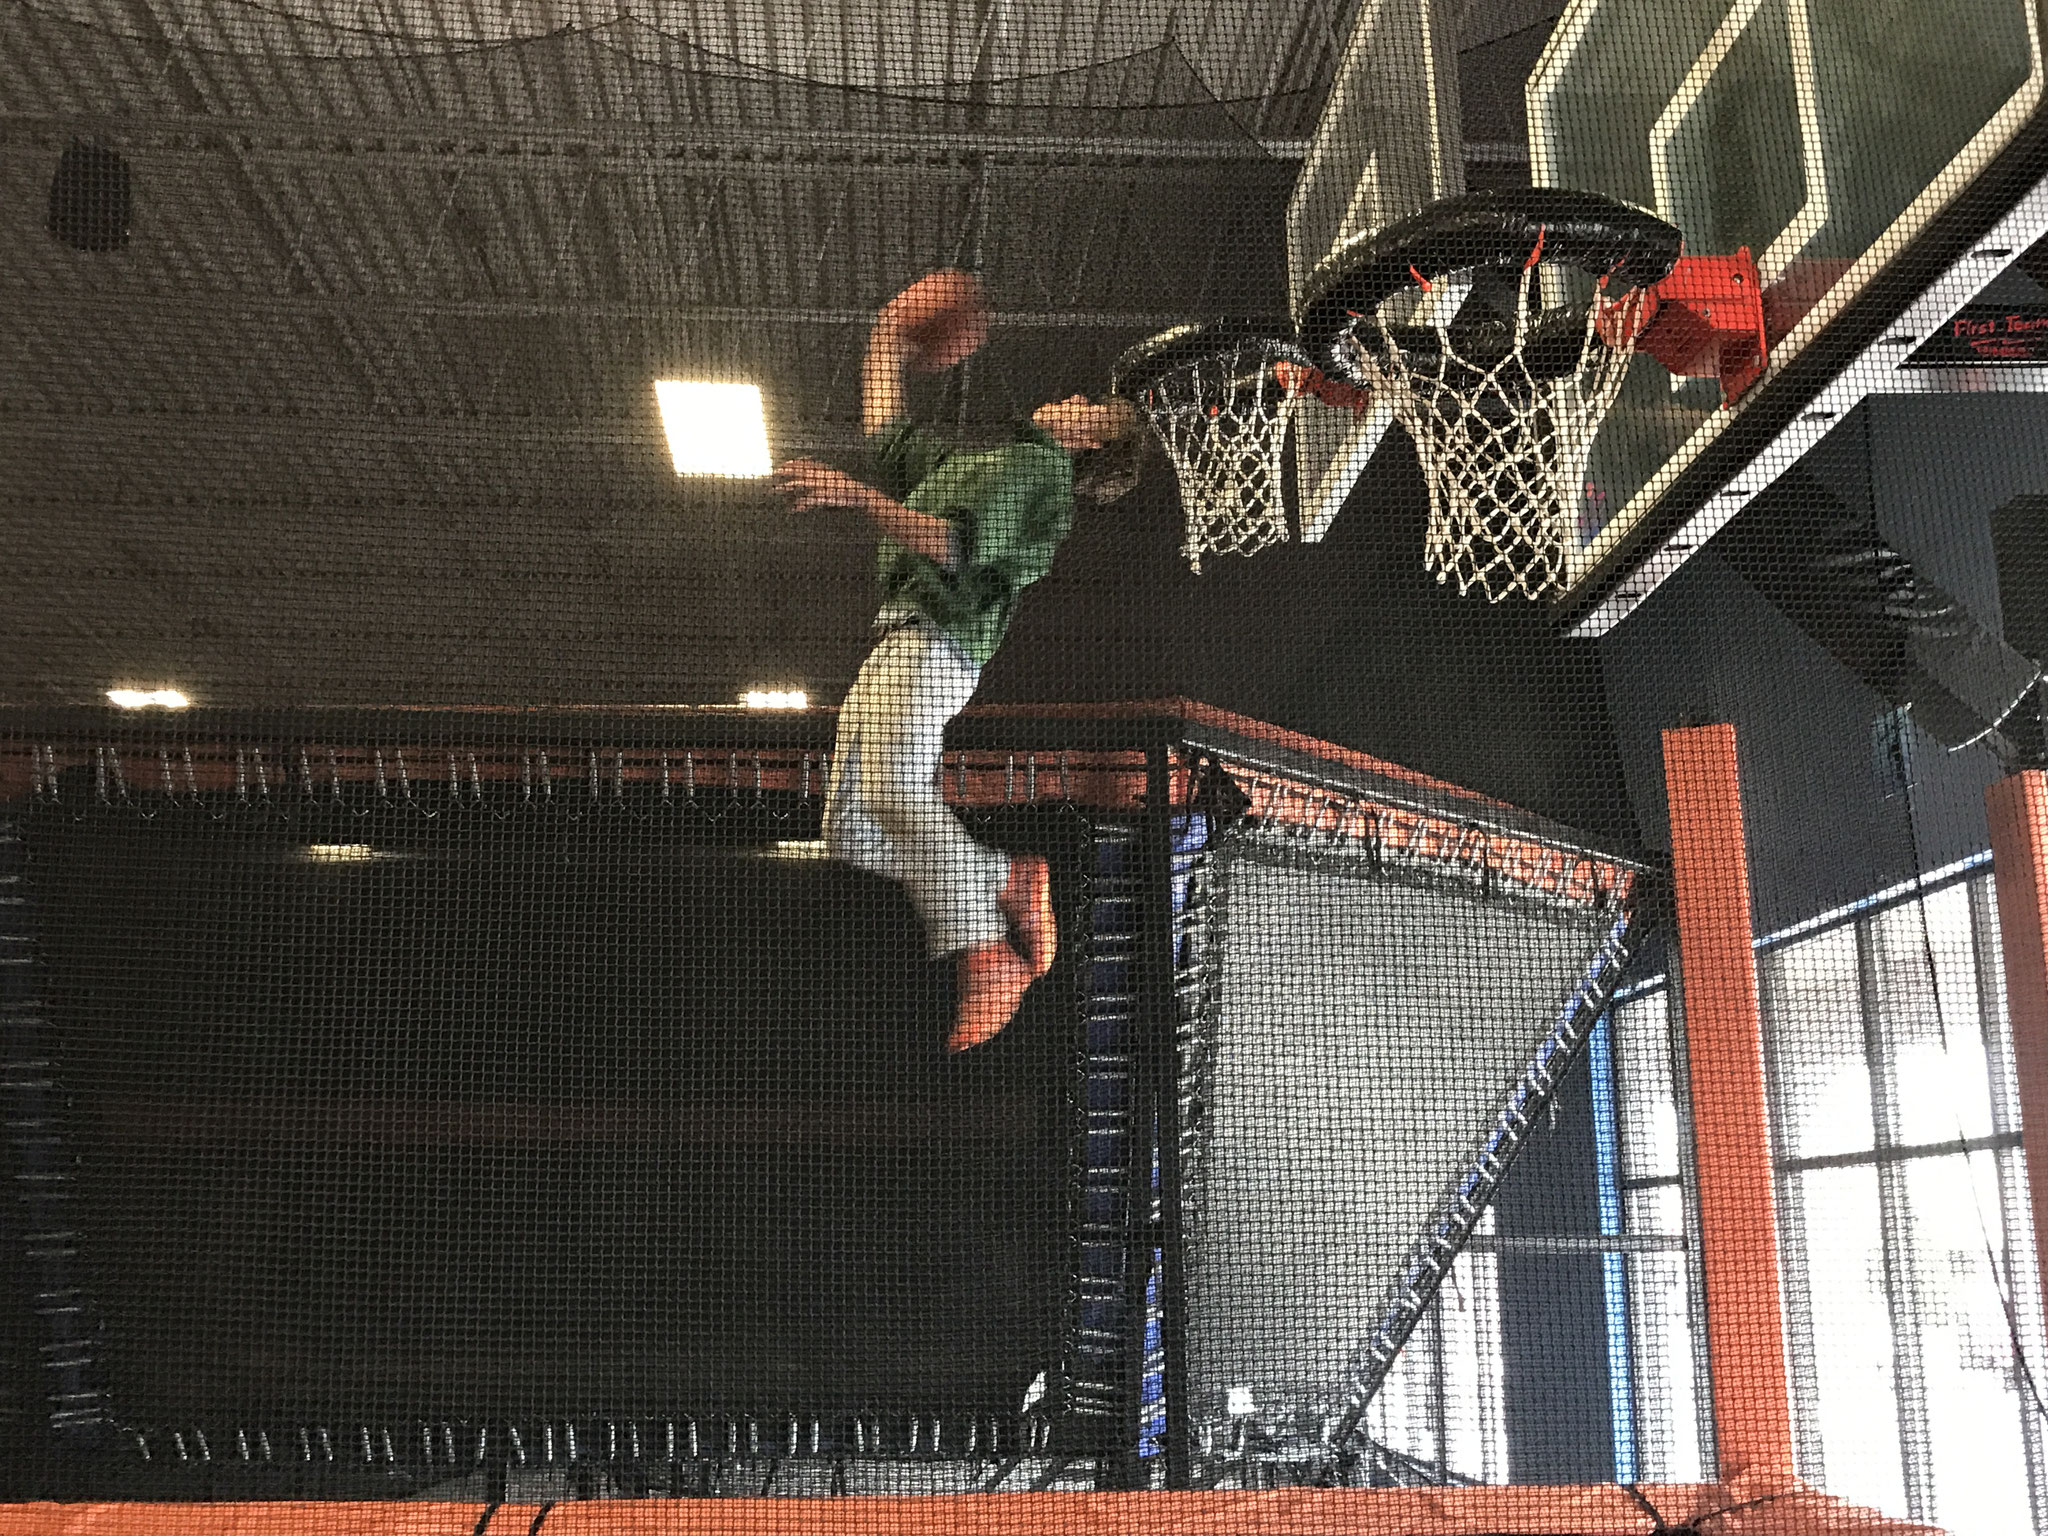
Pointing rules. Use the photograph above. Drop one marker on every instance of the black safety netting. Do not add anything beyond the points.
(756, 749)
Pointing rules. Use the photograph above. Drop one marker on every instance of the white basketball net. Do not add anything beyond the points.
(1222, 422)
(1504, 453)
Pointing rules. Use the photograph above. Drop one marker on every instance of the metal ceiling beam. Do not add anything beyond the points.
(449, 143)
(23, 301)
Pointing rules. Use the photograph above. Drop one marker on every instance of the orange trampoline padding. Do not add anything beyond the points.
(2018, 810)
(1586, 1510)
(1724, 1044)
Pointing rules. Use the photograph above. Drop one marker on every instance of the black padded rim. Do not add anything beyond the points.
(1185, 346)
(1603, 236)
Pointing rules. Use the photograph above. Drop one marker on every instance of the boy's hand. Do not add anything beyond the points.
(810, 485)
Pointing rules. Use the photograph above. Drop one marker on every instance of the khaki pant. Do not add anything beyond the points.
(884, 811)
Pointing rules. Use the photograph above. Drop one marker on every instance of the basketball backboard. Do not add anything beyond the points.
(1388, 143)
(1881, 159)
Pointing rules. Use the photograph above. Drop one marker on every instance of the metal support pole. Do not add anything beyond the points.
(1160, 1010)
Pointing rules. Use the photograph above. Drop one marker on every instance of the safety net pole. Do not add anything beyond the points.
(1724, 1042)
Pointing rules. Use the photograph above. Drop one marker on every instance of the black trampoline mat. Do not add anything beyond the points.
(632, 1113)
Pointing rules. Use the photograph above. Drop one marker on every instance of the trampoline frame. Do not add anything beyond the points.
(1140, 763)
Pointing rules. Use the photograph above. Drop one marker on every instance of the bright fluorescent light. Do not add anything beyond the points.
(713, 429)
(776, 698)
(137, 698)
(340, 853)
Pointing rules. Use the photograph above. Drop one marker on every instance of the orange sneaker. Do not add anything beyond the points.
(1026, 901)
(993, 981)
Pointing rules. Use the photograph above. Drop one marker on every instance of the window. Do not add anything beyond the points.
(1904, 1229)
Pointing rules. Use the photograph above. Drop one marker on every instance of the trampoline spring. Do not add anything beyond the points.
(732, 1437)
(1009, 778)
(99, 772)
(817, 1436)
(404, 778)
(759, 780)
(664, 779)
(163, 761)
(305, 775)
(960, 773)
(1031, 777)
(262, 774)
(518, 1445)
(476, 780)
(1066, 783)
(333, 776)
(791, 1442)
(120, 778)
(690, 1426)
(633, 1440)
(618, 776)
(141, 1444)
(547, 780)
(242, 1442)
(454, 779)
(914, 1426)
(973, 1438)
(483, 1439)
(383, 790)
(199, 1439)
(427, 1442)
(547, 1443)
(326, 1444)
(860, 1438)
(689, 776)
(753, 1438)
(569, 1446)
(178, 1439)
(803, 775)
(590, 771)
(732, 775)
(384, 1444)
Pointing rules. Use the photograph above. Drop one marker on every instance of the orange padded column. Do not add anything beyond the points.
(1731, 1129)
(2018, 812)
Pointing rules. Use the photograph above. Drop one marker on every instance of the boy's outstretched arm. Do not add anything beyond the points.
(810, 485)
(938, 321)
(881, 372)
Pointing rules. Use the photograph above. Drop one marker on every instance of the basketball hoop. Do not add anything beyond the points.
(1221, 414)
(1503, 409)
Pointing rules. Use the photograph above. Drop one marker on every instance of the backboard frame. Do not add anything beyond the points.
(1989, 204)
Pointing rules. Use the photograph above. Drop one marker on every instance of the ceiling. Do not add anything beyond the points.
(367, 389)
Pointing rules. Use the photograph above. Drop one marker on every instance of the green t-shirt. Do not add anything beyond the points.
(1009, 508)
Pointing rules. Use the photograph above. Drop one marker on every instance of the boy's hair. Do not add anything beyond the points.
(1102, 475)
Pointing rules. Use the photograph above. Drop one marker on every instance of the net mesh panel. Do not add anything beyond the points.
(1280, 1344)
(452, 1047)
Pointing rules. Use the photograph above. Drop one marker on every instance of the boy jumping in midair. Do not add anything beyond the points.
(962, 535)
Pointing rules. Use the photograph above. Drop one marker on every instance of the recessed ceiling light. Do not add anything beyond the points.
(341, 853)
(713, 429)
(776, 698)
(140, 698)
